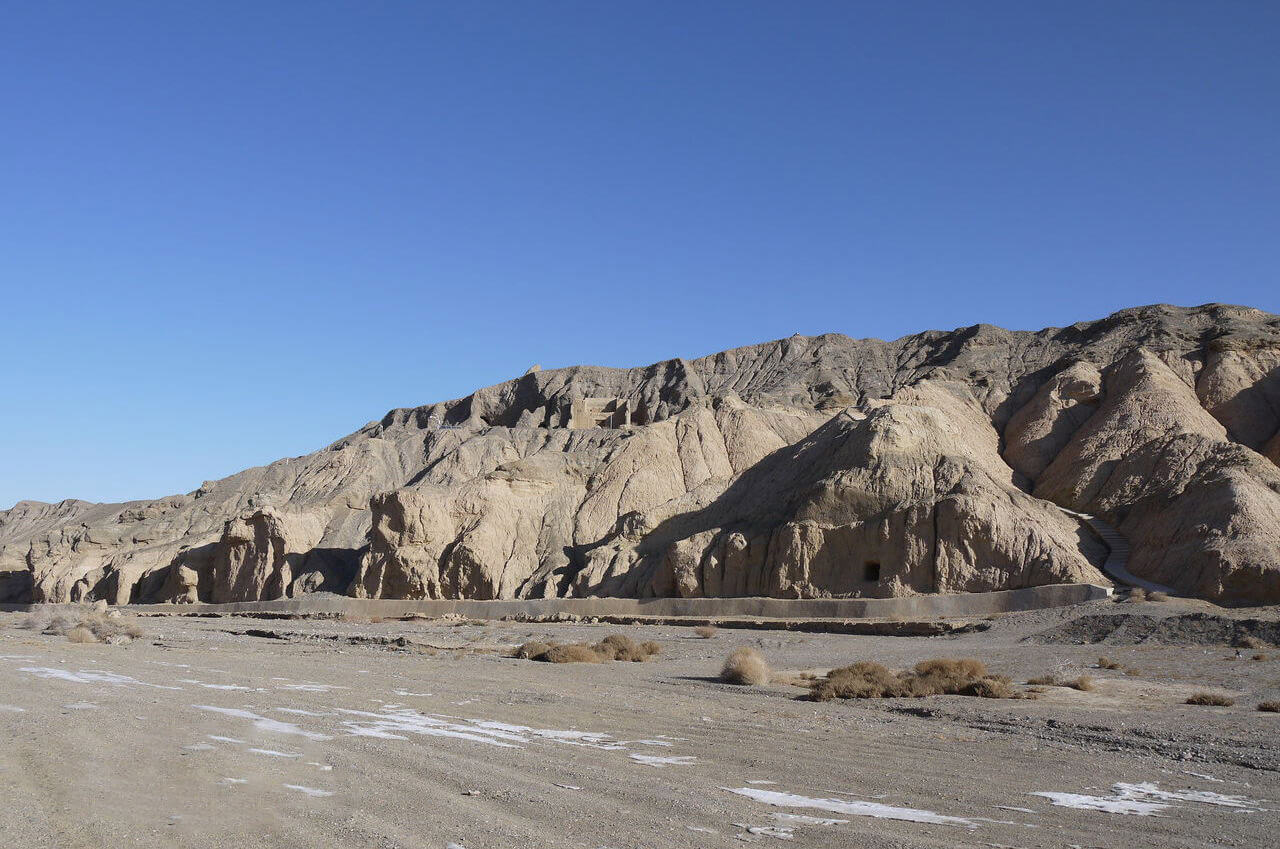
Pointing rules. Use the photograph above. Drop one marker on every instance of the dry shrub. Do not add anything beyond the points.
(88, 622)
(622, 647)
(1083, 683)
(1136, 594)
(80, 634)
(1132, 670)
(1249, 642)
(1044, 680)
(1107, 663)
(533, 650)
(863, 680)
(571, 653)
(745, 665)
(1157, 596)
(870, 680)
(706, 632)
(1259, 656)
(612, 647)
(1269, 707)
(1211, 699)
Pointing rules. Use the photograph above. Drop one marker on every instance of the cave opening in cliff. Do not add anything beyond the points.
(871, 570)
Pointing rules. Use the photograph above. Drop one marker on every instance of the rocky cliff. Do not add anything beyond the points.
(807, 467)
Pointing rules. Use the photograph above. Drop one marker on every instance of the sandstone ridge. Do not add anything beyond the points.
(809, 467)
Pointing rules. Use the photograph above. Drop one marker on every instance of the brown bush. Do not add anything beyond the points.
(1136, 594)
(1259, 656)
(1157, 596)
(622, 647)
(1044, 680)
(80, 634)
(83, 619)
(1212, 699)
(1249, 642)
(706, 632)
(870, 680)
(533, 650)
(1269, 707)
(1084, 683)
(863, 680)
(745, 665)
(571, 653)
(1107, 663)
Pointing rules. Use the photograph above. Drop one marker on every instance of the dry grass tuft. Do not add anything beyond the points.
(1250, 642)
(1107, 663)
(80, 634)
(706, 632)
(571, 653)
(1084, 683)
(1157, 596)
(622, 647)
(745, 665)
(1211, 699)
(612, 647)
(1136, 594)
(1044, 680)
(1269, 707)
(88, 623)
(1259, 656)
(943, 676)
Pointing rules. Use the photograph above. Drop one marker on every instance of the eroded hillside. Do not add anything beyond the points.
(806, 467)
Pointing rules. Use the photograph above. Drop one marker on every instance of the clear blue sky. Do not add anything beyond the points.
(236, 231)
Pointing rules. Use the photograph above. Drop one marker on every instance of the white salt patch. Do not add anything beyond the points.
(224, 739)
(12, 709)
(310, 791)
(803, 819)
(568, 787)
(1012, 808)
(701, 830)
(263, 723)
(1202, 775)
(1149, 790)
(324, 767)
(762, 782)
(199, 747)
(310, 688)
(781, 833)
(407, 693)
(81, 706)
(85, 676)
(272, 753)
(213, 686)
(235, 781)
(1109, 804)
(385, 724)
(855, 808)
(667, 743)
(301, 712)
(654, 760)
(17, 657)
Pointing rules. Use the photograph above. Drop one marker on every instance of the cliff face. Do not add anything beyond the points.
(806, 467)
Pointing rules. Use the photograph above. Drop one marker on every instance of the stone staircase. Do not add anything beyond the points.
(1116, 566)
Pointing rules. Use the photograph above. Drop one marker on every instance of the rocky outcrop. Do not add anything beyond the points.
(806, 467)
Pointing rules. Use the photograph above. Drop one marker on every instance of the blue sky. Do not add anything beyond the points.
(233, 232)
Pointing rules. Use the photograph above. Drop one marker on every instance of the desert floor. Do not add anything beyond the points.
(238, 732)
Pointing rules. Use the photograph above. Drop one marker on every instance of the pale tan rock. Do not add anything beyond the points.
(784, 468)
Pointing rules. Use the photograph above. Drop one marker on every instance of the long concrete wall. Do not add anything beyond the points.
(914, 607)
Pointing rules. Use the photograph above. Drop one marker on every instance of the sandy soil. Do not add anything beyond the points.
(329, 733)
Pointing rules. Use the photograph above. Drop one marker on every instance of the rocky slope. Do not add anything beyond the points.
(806, 467)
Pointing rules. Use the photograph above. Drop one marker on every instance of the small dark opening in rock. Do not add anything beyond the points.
(871, 570)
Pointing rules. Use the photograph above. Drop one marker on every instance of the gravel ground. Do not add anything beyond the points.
(217, 732)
